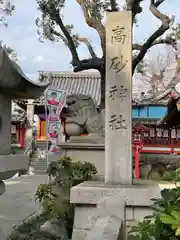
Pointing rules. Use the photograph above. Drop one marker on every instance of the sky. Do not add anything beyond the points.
(33, 56)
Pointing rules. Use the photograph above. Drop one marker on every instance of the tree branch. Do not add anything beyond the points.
(79, 65)
(134, 6)
(138, 47)
(114, 6)
(59, 35)
(88, 44)
(158, 3)
(164, 26)
(93, 21)
(175, 78)
(92, 63)
(54, 14)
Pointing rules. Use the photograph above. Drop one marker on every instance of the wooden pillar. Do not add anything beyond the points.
(22, 136)
(29, 125)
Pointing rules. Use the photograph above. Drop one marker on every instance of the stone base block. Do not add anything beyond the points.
(2, 187)
(79, 234)
(92, 192)
(106, 228)
(86, 152)
(85, 217)
(11, 164)
(88, 198)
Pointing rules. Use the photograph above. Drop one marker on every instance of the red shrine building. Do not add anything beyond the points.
(18, 130)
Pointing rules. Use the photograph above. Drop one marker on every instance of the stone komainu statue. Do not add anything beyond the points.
(81, 111)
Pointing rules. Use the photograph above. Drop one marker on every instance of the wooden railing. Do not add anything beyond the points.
(161, 141)
(157, 136)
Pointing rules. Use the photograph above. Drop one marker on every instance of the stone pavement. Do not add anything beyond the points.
(18, 202)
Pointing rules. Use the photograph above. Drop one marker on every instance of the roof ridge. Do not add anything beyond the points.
(69, 73)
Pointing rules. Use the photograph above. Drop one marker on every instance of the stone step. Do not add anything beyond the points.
(39, 172)
(33, 159)
(39, 169)
(39, 165)
(39, 159)
(41, 145)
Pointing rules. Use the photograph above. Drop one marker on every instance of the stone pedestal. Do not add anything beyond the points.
(11, 164)
(86, 152)
(88, 195)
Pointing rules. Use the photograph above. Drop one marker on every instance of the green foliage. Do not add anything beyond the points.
(164, 224)
(173, 176)
(48, 24)
(54, 196)
(31, 230)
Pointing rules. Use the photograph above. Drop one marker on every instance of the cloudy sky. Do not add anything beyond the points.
(34, 56)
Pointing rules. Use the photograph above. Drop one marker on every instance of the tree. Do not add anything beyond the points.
(156, 65)
(51, 27)
(6, 9)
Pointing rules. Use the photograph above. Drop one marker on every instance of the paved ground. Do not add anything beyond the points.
(18, 202)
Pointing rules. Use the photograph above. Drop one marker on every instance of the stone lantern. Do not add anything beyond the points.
(14, 85)
(137, 144)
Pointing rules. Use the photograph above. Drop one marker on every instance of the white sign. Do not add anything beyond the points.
(13, 129)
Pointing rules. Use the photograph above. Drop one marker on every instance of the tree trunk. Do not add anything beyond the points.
(103, 88)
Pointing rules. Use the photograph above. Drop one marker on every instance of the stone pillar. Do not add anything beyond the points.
(30, 119)
(118, 122)
(5, 124)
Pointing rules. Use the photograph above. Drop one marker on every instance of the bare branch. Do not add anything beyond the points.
(88, 44)
(93, 21)
(92, 63)
(158, 3)
(79, 65)
(54, 14)
(58, 34)
(162, 29)
(157, 42)
(176, 77)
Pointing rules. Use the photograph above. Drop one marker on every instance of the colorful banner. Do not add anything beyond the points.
(55, 101)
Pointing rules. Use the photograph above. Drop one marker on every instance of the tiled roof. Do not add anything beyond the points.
(87, 83)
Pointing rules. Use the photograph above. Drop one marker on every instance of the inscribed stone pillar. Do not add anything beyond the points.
(30, 119)
(118, 121)
(5, 124)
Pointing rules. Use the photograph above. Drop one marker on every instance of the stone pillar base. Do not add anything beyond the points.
(10, 165)
(2, 187)
(86, 196)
